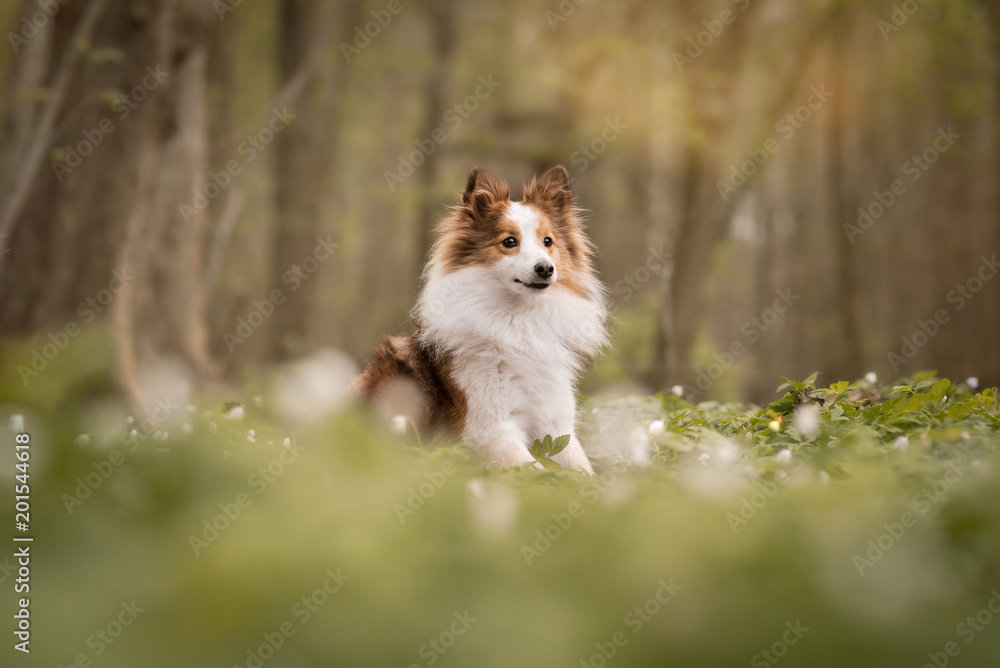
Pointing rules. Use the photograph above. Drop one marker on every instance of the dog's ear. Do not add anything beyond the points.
(552, 188)
(484, 195)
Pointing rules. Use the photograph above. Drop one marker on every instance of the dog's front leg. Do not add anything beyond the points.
(489, 430)
(564, 422)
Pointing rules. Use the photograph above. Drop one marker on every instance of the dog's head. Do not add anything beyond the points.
(530, 247)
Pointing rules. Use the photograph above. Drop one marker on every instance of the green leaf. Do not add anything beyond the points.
(560, 444)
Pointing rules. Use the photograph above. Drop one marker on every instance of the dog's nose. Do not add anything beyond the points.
(544, 269)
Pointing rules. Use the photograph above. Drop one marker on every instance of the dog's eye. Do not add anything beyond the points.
(547, 241)
(509, 242)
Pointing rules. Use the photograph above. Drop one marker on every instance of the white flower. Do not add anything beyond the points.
(82, 440)
(251, 439)
(494, 507)
(287, 442)
(236, 412)
(16, 423)
(784, 455)
(728, 452)
(656, 427)
(774, 425)
(871, 377)
(638, 451)
(677, 390)
(972, 382)
(129, 420)
(251, 433)
(398, 424)
(807, 420)
(901, 443)
(703, 458)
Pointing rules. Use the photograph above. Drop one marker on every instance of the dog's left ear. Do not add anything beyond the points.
(552, 188)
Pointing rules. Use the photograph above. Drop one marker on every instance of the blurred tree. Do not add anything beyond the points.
(305, 152)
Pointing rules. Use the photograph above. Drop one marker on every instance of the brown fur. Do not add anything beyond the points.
(396, 357)
(472, 235)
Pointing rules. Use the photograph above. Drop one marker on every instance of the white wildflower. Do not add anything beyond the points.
(871, 377)
(677, 390)
(972, 382)
(901, 443)
(656, 427)
(16, 423)
(784, 456)
(807, 420)
(398, 424)
(494, 507)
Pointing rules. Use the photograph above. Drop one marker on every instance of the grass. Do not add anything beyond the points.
(857, 524)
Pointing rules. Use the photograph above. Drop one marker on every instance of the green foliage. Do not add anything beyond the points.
(870, 516)
(543, 450)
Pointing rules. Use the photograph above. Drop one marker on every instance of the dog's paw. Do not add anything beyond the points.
(508, 455)
(573, 457)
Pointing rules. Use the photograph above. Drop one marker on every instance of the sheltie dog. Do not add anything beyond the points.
(509, 312)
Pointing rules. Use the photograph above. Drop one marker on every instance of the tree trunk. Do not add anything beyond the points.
(305, 157)
(104, 216)
(442, 44)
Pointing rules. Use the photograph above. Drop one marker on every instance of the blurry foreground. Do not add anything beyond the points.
(855, 534)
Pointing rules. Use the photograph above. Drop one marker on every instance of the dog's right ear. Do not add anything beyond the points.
(484, 195)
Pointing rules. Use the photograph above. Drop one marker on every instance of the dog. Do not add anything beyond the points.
(510, 311)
